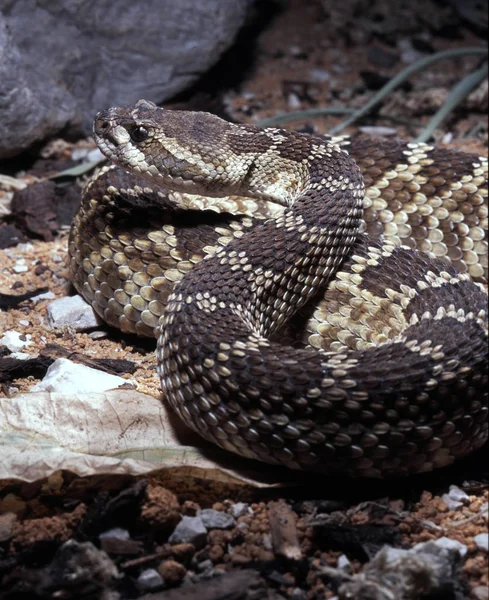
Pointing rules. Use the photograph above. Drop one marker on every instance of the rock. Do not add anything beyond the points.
(378, 130)
(190, 530)
(49, 295)
(7, 522)
(481, 592)
(81, 565)
(214, 519)
(72, 311)
(455, 498)
(447, 543)
(64, 376)
(482, 541)
(172, 572)
(239, 509)
(14, 340)
(427, 569)
(344, 563)
(149, 579)
(25, 91)
(116, 533)
(63, 61)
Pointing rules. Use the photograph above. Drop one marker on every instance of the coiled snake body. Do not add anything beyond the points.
(307, 337)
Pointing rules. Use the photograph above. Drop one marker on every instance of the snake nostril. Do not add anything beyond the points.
(102, 125)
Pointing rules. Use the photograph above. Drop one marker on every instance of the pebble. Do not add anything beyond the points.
(205, 566)
(149, 579)
(378, 130)
(21, 355)
(482, 541)
(240, 508)
(79, 154)
(14, 340)
(172, 572)
(481, 592)
(215, 519)
(320, 75)
(445, 542)
(455, 498)
(24, 247)
(20, 268)
(49, 295)
(189, 530)
(293, 102)
(72, 311)
(117, 533)
(64, 376)
(344, 563)
(95, 156)
(7, 522)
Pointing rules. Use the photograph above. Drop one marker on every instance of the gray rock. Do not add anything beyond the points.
(427, 569)
(215, 519)
(482, 541)
(239, 509)
(189, 530)
(455, 498)
(64, 60)
(72, 311)
(446, 543)
(481, 592)
(64, 376)
(14, 340)
(117, 532)
(149, 579)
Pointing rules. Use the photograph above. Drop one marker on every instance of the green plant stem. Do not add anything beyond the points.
(401, 77)
(456, 96)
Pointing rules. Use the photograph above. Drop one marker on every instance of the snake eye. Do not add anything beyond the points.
(139, 134)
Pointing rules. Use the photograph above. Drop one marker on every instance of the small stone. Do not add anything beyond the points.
(320, 75)
(214, 519)
(98, 335)
(190, 530)
(20, 268)
(455, 498)
(172, 571)
(344, 563)
(205, 566)
(14, 340)
(7, 521)
(482, 541)
(95, 155)
(481, 592)
(293, 102)
(449, 544)
(64, 376)
(49, 295)
(149, 579)
(117, 533)
(79, 154)
(72, 311)
(20, 355)
(239, 509)
(378, 130)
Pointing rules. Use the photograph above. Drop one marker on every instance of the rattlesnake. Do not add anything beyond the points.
(307, 337)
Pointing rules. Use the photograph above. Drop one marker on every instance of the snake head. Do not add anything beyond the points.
(183, 151)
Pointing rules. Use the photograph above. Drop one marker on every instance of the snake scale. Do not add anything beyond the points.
(293, 327)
